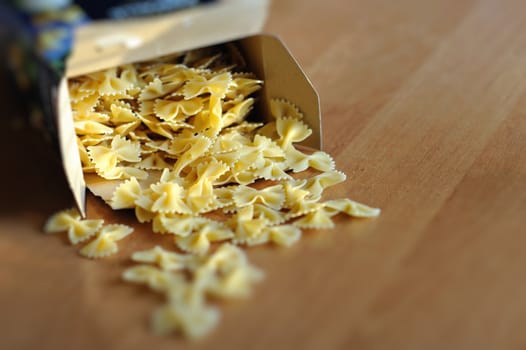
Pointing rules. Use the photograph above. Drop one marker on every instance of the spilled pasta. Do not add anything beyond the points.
(190, 159)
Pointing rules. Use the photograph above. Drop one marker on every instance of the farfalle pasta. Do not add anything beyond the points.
(105, 243)
(80, 230)
(71, 222)
(178, 135)
(187, 280)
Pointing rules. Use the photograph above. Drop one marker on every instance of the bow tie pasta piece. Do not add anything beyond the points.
(143, 215)
(156, 279)
(126, 194)
(298, 161)
(225, 258)
(106, 82)
(228, 142)
(168, 197)
(177, 224)
(195, 150)
(76, 94)
(245, 128)
(351, 208)
(177, 110)
(271, 170)
(122, 114)
(243, 84)
(317, 184)
(199, 241)
(85, 105)
(88, 127)
(154, 161)
(130, 75)
(127, 128)
(247, 229)
(238, 112)
(280, 108)
(273, 216)
(236, 283)
(126, 150)
(70, 220)
(227, 273)
(284, 235)
(272, 196)
(206, 172)
(168, 261)
(209, 122)
(269, 130)
(157, 88)
(147, 107)
(106, 158)
(177, 74)
(193, 320)
(216, 86)
(105, 243)
(291, 130)
(268, 147)
(99, 117)
(317, 219)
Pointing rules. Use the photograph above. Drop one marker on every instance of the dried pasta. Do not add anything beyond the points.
(187, 280)
(105, 243)
(177, 133)
(80, 230)
(69, 220)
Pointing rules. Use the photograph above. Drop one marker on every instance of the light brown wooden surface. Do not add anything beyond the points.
(424, 107)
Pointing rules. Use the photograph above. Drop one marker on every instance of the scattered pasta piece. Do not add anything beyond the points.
(166, 260)
(187, 280)
(105, 243)
(193, 320)
(126, 194)
(69, 220)
(351, 208)
(199, 241)
(156, 279)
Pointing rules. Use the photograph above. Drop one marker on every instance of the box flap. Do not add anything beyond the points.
(68, 146)
(104, 44)
(270, 59)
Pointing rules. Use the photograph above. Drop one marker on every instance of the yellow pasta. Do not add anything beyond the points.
(177, 110)
(291, 130)
(187, 280)
(351, 208)
(194, 320)
(126, 194)
(166, 260)
(284, 235)
(280, 108)
(199, 241)
(157, 279)
(70, 221)
(178, 134)
(273, 196)
(216, 86)
(105, 243)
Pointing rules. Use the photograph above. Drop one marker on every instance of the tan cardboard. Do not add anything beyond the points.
(107, 44)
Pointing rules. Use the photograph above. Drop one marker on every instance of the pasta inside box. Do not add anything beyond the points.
(158, 93)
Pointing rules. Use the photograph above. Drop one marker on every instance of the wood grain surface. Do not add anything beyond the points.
(424, 107)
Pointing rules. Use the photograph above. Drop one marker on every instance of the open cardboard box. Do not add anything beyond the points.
(106, 44)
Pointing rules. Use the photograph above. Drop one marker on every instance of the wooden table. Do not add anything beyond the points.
(424, 107)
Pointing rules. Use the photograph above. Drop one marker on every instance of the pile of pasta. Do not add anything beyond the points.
(178, 134)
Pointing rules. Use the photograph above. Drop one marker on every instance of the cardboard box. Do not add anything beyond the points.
(106, 44)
